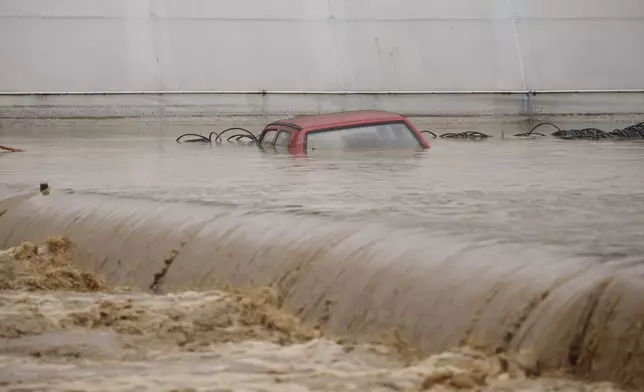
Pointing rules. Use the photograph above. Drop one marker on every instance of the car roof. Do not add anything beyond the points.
(340, 118)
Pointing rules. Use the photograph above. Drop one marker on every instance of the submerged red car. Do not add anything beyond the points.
(361, 129)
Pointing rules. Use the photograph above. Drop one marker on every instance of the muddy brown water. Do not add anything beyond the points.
(514, 244)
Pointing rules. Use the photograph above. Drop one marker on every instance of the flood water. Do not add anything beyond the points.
(586, 196)
(575, 203)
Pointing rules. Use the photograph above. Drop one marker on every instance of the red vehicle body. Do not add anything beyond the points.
(362, 128)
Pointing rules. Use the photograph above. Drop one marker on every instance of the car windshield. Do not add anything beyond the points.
(376, 136)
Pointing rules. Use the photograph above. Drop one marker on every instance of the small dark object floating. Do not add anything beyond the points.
(44, 188)
(11, 149)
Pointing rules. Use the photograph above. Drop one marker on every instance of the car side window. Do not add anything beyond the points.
(268, 137)
(385, 135)
(283, 138)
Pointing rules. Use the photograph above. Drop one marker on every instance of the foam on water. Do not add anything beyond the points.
(359, 280)
(95, 338)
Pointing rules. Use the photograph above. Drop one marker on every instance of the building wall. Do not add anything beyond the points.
(320, 45)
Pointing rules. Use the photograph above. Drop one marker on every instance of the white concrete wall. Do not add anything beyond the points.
(329, 45)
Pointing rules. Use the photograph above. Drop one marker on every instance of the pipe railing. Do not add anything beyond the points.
(323, 92)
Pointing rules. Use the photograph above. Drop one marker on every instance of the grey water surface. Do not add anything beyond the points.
(583, 195)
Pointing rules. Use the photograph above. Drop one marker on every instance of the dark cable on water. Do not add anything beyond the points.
(203, 139)
(430, 132)
(247, 133)
(459, 135)
(631, 132)
(238, 137)
(635, 131)
(200, 138)
(465, 135)
(527, 134)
